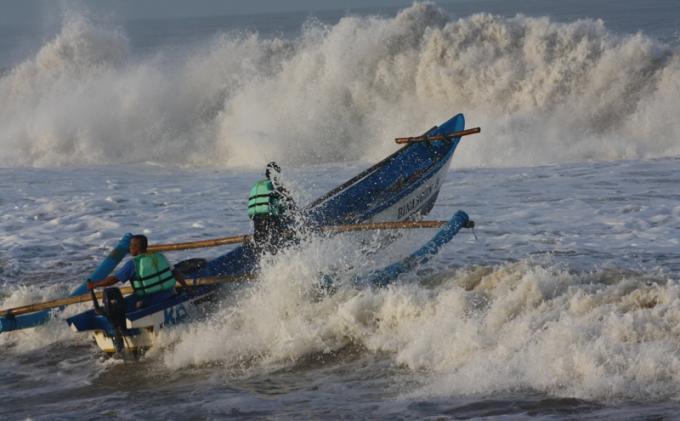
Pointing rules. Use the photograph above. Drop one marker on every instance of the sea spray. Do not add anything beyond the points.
(604, 335)
(54, 333)
(544, 92)
(283, 317)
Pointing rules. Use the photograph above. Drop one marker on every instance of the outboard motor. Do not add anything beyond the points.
(114, 310)
(114, 306)
(188, 266)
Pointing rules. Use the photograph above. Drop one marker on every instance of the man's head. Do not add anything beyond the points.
(272, 170)
(138, 244)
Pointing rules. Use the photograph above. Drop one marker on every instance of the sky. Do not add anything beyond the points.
(13, 12)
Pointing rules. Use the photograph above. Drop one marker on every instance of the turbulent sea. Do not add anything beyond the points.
(566, 305)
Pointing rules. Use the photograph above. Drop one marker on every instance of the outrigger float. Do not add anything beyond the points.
(391, 194)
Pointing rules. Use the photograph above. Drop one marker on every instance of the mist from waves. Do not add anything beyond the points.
(542, 91)
(605, 335)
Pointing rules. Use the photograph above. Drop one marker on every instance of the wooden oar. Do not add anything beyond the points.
(200, 244)
(60, 302)
(446, 136)
(334, 228)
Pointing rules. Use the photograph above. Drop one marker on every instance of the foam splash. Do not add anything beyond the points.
(283, 317)
(542, 91)
(51, 333)
(606, 335)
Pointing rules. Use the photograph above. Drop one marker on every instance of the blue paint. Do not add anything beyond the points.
(389, 181)
(175, 315)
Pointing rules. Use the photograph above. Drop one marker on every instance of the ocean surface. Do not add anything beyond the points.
(566, 305)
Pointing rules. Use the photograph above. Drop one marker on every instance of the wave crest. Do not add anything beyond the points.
(543, 92)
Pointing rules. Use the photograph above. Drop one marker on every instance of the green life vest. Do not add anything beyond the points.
(153, 274)
(262, 200)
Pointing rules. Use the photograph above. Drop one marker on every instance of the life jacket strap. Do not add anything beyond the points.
(143, 288)
(153, 275)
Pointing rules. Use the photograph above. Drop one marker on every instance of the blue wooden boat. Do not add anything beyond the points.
(402, 186)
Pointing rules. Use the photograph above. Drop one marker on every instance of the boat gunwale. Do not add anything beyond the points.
(431, 172)
(374, 168)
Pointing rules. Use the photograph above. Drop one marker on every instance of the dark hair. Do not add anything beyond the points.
(143, 241)
(271, 167)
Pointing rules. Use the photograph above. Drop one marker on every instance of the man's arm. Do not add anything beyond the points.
(109, 280)
(285, 197)
(180, 278)
(123, 274)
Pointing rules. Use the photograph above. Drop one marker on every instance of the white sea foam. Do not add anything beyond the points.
(542, 91)
(602, 335)
(284, 316)
(46, 335)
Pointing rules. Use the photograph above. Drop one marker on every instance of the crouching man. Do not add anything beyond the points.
(149, 273)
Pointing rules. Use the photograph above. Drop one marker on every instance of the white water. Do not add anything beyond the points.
(543, 92)
(572, 289)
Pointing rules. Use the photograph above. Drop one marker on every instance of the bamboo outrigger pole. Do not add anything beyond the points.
(60, 302)
(200, 244)
(334, 228)
(447, 136)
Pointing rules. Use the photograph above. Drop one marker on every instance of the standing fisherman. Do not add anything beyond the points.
(272, 210)
(149, 273)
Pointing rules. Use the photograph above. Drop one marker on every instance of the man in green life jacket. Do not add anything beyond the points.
(149, 273)
(272, 210)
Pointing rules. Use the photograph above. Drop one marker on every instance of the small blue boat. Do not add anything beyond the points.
(402, 186)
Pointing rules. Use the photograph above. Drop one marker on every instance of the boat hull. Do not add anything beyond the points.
(142, 326)
(403, 185)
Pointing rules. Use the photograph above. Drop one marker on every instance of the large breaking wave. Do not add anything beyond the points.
(542, 91)
(606, 335)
